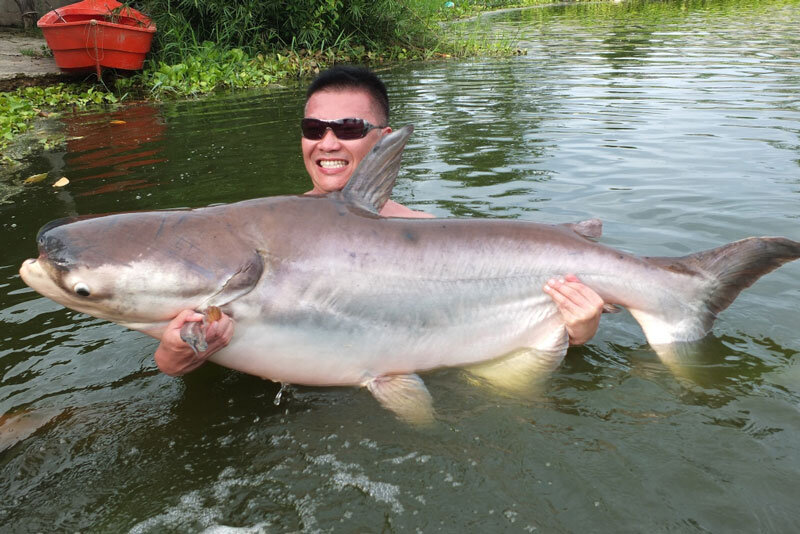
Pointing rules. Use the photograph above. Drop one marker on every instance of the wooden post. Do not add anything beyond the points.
(27, 9)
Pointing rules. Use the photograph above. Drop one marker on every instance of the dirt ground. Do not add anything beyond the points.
(18, 69)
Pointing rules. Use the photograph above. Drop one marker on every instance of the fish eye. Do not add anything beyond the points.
(82, 289)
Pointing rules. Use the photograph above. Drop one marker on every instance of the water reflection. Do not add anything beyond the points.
(105, 146)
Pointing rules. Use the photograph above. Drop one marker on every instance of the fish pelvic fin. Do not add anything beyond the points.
(405, 395)
(372, 182)
(726, 270)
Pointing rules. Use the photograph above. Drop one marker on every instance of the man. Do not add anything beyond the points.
(346, 113)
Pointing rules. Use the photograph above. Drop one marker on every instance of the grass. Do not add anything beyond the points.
(36, 54)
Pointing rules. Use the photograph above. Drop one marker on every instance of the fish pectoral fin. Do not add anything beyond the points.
(240, 282)
(405, 395)
(518, 371)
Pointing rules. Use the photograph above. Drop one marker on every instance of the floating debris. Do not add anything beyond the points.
(61, 182)
(36, 178)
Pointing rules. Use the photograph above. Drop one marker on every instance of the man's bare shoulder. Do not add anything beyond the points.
(393, 209)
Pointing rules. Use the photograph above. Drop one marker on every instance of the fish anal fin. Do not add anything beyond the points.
(518, 371)
(405, 395)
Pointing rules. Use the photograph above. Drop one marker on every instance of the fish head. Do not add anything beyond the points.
(140, 269)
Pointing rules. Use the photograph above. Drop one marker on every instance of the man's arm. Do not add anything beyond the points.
(393, 209)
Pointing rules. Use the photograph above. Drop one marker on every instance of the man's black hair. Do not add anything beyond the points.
(351, 77)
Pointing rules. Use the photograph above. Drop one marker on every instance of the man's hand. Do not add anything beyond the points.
(579, 305)
(174, 357)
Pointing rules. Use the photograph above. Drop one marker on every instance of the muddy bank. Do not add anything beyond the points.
(25, 61)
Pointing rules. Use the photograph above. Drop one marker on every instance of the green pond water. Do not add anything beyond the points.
(677, 124)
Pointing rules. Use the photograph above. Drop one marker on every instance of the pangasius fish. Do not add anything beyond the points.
(325, 292)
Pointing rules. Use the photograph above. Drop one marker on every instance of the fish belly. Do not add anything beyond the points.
(349, 338)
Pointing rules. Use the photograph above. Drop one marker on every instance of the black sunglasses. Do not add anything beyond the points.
(344, 129)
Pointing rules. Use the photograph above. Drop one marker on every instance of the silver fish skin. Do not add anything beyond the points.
(325, 292)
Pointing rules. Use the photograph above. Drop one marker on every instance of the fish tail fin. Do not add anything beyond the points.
(723, 273)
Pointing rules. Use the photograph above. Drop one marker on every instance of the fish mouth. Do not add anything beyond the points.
(41, 275)
(27, 266)
(36, 273)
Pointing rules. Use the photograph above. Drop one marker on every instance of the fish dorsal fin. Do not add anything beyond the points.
(372, 182)
(590, 228)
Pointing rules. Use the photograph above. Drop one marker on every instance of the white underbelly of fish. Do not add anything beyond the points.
(346, 352)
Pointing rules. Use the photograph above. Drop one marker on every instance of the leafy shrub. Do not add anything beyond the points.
(259, 25)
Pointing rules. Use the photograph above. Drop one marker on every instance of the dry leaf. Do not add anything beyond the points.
(61, 182)
(35, 178)
(117, 122)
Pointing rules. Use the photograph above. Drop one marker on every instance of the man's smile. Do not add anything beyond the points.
(332, 163)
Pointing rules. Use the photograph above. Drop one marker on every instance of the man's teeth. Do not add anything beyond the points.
(332, 164)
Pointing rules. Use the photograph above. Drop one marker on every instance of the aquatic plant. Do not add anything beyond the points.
(19, 108)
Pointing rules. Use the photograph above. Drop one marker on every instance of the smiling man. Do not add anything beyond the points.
(346, 113)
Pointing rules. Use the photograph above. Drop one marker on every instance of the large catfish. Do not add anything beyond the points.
(326, 292)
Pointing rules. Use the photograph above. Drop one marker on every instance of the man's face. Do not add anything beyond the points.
(330, 161)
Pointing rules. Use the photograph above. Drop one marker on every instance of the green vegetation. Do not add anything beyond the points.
(207, 45)
(259, 26)
(19, 108)
(42, 52)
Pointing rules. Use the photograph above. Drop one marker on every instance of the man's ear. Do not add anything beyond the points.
(386, 131)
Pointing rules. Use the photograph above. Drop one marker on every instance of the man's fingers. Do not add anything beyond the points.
(577, 291)
(566, 307)
(185, 316)
(568, 292)
(218, 335)
(219, 327)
